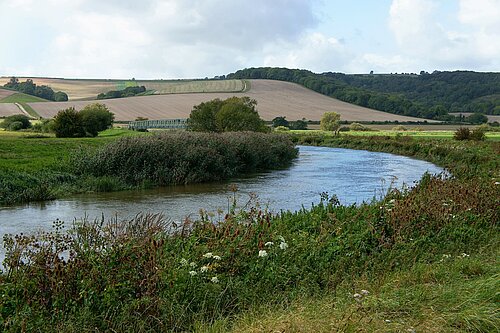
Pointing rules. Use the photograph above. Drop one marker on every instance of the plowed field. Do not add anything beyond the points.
(274, 98)
(8, 109)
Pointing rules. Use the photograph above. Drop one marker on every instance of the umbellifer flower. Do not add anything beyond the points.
(365, 292)
(214, 279)
(283, 245)
(217, 258)
(184, 262)
(192, 273)
(269, 244)
(203, 269)
(208, 255)
(262, 253)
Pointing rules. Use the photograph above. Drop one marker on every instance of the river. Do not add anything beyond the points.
(353, 175)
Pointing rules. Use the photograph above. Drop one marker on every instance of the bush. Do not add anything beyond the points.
(44, 126)
(186, 157)
(281, 129)
(477, 135)
(96, 118)
(344, 129)
(60, 96)
(17, 118)
(399, 128)
(462, 133)
(90, 121)
(357, 127)
(15, 126)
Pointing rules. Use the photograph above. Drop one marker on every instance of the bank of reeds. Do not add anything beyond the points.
(186, 157)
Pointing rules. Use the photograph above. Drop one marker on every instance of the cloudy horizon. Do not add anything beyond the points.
(153, 39)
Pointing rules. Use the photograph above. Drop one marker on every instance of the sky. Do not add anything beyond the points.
(153, 39)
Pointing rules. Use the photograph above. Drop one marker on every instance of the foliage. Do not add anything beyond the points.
(127, 92)
(330, 121)
(358, 127)
(477, 118)
(399, 128)
(298, 124)
(230, 115)
(280, 121)
(92, 119)
(43, 126)
(68, 124)
(96, 118)
(477, 134)
(426, 95)
(17, 118)
(181, 158)
(281, 129)
(30, 88)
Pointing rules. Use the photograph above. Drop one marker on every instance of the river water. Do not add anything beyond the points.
(353, 175)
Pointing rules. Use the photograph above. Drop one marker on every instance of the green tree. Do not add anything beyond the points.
(330, 122)
(25, 121)
(60, 96)
(230, 115)
(202, 117)
(96, 118)
(68, 124)
(280, 121)
(298, 124)
(477, 118)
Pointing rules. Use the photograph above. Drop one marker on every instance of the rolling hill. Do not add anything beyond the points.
(274, 98)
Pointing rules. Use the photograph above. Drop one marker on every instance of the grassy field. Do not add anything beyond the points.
(274, 98)
(22, 98)
(419, 260)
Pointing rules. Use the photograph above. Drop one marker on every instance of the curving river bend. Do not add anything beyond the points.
(353, 175)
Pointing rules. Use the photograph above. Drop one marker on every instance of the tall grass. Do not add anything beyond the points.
(148, 274)
(185, 157)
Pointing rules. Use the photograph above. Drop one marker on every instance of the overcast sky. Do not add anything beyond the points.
(204, 38)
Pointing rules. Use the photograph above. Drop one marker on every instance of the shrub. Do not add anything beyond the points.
(357, 127)
(44, 126)
(477, 134)
(399, 128)
(15, 126)
(96, 118)
(60, 96)
(68, 124)
(281, 129)
(25, 121)
(462, 133)
(344, 129)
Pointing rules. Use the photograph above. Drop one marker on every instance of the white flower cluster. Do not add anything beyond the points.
(359, 297)
(283, 246)
(204, 268)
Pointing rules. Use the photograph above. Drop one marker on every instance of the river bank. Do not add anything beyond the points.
(437, 241)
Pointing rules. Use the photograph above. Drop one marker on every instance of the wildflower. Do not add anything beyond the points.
(262, 253)
(281, 238)
(358, 297)
(497, 183)
(203, 269)
(465, 255)
(365, 292)
(192, 264)
(283, 245)
(217, 258)
(387, 321)
(192, 273)
(214, 279)
(184, 262)
(269, 244)
(208, 255)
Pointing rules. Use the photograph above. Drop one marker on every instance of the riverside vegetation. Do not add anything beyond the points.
(38, 168)
(420, 260)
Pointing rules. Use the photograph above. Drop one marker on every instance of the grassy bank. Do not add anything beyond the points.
(34, 167)
(426, 256)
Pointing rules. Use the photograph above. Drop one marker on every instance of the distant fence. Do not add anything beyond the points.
(163, 124)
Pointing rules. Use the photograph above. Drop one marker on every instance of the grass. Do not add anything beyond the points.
(428, 257)
(21, 98)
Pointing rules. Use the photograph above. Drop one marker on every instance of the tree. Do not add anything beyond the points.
(298, 124)
(477, 118)
(17, 118)
(230, 115)
(68, 124)
(60, 96)
(280, 121)
(96, 118)
(330, 122)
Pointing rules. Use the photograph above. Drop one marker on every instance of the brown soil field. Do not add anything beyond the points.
(4, 93)
(89, 89)
(274, 98)
(9, 109)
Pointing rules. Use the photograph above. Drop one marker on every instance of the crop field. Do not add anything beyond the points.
(5, 92)
(89, 89)
(274, 98)
(8, 109)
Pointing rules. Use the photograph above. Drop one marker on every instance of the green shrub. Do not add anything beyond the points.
(462, 133)
(25, 121)
(68, 124)
(357, 127)
(96, 118)
(15, 126)
(399, 128)
(477, 134)
(186, 157)
(281, 129)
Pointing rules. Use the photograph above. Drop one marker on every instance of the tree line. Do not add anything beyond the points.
(30, 88)
(430, 96)
(127, 92)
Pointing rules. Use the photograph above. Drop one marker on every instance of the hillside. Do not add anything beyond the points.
(274, 98)
(430, 96)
